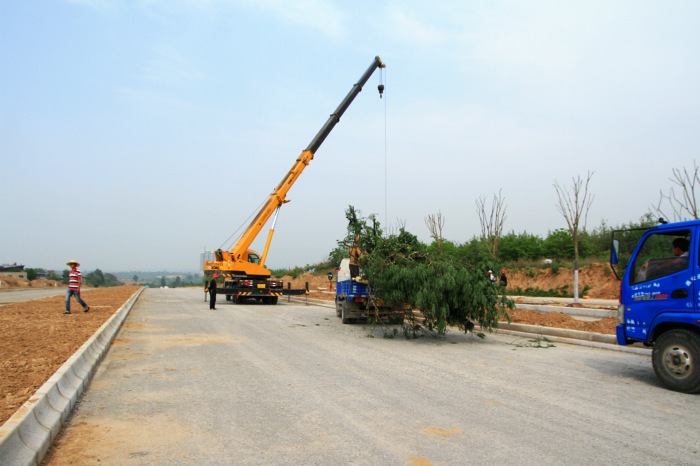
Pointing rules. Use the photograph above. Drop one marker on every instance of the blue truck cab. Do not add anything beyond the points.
(660, 298)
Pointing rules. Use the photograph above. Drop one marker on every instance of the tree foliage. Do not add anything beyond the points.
(558, 244)
(368, 229)
(447, 280)
(448, 291)
(97, 278)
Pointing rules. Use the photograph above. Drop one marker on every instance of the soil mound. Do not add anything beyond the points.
(597, 279)
(7, 283)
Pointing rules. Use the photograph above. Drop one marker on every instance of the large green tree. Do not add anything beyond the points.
(95, 278)
(448, 291)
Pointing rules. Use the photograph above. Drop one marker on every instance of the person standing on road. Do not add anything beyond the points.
(211, 288)
(75, 280)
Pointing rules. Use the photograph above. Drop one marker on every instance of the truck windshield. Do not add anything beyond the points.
(661, 254)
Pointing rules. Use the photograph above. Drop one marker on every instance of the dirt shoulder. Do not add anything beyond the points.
(38, 338)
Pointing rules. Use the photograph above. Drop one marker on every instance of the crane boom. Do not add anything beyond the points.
(278, 196)
(239, 261)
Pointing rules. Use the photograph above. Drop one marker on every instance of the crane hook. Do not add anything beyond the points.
(380, 88)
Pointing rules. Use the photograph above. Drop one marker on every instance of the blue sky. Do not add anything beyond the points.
(135, 134)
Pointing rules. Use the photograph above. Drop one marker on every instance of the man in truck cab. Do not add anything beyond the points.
(680, 247)
(654, 267)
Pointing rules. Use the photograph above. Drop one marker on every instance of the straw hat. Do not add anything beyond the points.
(77, 264)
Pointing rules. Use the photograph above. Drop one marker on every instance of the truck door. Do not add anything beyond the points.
(659, 279)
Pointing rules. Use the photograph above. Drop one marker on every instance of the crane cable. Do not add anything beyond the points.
(243, 223)
(382, 78)
(380, 87)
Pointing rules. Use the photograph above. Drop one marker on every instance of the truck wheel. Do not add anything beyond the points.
(676, 360)
(345, 313)
(337, 307)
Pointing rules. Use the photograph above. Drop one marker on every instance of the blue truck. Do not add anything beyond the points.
(660, 298)
(354, 300)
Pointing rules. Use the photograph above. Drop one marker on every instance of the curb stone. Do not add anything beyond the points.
(572, 337)
(572, 311)
(26, 437)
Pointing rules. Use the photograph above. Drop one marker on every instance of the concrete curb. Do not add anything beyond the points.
(572, 337)
(572, 311)
(26, 437)
(559, 332)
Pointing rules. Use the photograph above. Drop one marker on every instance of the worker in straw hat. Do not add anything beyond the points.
(75, 279)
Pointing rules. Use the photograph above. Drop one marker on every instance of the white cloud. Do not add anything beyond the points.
(102, 5)
(408, 28)
(320, 15)
(170, 66)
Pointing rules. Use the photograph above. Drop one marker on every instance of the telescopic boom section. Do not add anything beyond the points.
(279, 195)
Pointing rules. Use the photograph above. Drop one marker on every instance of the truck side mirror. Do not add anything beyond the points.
(614, 252)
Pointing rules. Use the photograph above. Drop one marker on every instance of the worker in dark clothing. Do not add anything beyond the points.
(211, 288)
(504, 279)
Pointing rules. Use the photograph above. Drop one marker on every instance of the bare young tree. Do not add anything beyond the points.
(435, 224)
(491, 221)
(684, 205)
(574, 206)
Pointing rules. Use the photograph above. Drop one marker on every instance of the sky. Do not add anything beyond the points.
(134, 135)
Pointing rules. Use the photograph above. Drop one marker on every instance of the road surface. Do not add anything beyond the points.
(27, 294)
(289, 384)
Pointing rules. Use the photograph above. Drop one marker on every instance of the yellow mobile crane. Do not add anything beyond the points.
(243, 269)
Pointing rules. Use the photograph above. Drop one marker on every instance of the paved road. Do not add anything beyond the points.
(13, 296)
(289, 384)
